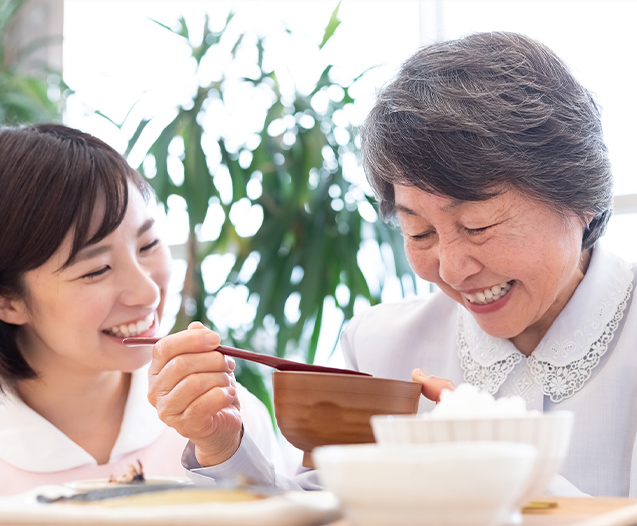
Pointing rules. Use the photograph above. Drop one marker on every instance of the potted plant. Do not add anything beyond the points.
(26, 84)
(296, 172)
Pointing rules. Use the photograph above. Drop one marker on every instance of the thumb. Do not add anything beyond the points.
(432, 386)
(196, 325)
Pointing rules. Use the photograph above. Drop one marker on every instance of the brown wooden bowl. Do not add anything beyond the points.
(320, 409)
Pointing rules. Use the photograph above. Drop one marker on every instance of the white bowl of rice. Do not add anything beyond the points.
(467, 414)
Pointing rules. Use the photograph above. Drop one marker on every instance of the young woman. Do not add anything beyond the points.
(82, 265)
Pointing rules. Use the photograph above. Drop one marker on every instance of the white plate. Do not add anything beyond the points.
(302, 508)
(88, 484)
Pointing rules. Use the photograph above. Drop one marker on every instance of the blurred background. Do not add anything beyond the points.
(243, 116)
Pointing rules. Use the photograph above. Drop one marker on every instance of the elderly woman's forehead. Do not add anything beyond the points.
(407, 197)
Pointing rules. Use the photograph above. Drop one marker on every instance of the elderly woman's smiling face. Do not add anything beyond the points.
(512, 262)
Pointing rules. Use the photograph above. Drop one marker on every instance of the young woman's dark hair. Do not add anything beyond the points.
(473, 117)
(51, 179)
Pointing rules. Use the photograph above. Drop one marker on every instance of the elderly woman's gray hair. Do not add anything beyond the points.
(473, 117)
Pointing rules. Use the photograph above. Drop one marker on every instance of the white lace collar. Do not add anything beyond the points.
(572, 347)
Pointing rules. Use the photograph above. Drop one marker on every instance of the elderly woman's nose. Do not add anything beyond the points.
(456, 262)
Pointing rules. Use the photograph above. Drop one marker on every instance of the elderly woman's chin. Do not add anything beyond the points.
(505, 329)
(500, 318)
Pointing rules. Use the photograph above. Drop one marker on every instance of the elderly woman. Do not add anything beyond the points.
(489, 155)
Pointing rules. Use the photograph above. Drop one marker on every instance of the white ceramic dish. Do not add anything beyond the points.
(550, 433)
(89, 484)
(451, 484)
(287, 509)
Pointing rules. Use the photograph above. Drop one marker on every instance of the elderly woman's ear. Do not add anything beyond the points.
(12, 311)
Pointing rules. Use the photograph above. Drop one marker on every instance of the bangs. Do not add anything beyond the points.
(108, 194)
(104, 189)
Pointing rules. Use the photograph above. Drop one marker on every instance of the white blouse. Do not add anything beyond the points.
(586, 363)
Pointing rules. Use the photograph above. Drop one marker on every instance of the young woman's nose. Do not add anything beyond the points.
(138, 286)
(456, 261)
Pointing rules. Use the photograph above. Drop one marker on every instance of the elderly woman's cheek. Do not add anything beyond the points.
(423, 261)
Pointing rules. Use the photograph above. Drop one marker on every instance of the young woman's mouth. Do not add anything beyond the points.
(132, 329)
(489, 295)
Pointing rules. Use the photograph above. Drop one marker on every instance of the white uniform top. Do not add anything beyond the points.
(34, 452)
(586, 363)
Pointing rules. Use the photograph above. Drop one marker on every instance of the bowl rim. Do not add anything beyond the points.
(354, 377)
(431, 451)
(561, 414)
(403, 386)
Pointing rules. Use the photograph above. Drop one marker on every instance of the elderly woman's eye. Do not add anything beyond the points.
(472, 231)
(424, 235)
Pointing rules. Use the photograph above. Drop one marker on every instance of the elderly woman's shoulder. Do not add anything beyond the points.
(428, 308)
(393, 330)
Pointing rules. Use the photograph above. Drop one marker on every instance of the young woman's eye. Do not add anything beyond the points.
(150, 245)
(96, 273)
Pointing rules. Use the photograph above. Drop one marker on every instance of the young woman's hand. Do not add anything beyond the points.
(432, 386)
(193, 388)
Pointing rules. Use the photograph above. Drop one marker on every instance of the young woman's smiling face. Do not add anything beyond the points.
(74, 317)
(512, 262)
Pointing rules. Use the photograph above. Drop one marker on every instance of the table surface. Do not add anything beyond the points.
(570, 511)
(576, 510)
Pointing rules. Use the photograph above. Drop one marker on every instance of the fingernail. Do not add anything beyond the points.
(420, 373)
(231, 363)
(212, 339)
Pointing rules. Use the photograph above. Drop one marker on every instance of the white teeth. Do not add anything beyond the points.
(489, 295)
(132, 329)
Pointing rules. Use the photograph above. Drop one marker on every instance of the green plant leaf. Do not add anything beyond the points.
(24, 98)
(331, 26)
(252, 379)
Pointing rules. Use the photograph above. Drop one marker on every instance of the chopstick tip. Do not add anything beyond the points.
(134, 341)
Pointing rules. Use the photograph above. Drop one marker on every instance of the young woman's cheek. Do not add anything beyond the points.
(159, 265)
(161, 272)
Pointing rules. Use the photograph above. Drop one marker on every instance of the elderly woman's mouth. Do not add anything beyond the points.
(132, 329)
(489, 295)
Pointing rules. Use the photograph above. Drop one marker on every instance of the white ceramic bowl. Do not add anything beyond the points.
(550, 433)
(451, 484)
